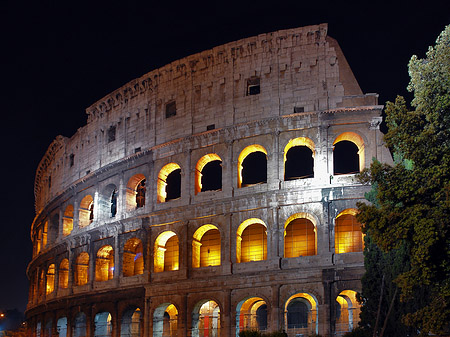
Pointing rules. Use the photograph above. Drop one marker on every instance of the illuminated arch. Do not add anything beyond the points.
(68, 220)
(302, 164)
(86, 214)
(206, 247)
(104, 264)
(301, 314)
(165, 320)
(162, 184)
(206, 319)
(255, 148)
(50, 287)
(251, 241)
(79, 326)
(348, 236)
(204, 162)
(251, 314)
(347, 311)
(44, 234)
(131, 323)
(136, 192)
(61, 327)
(63, 274)
(133, 258)
(356, 140)
(103, 324)
(166, 253)
(300, 235)
(107, 202)
(82, 269)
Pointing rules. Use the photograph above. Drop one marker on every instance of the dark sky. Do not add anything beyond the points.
(59, 57)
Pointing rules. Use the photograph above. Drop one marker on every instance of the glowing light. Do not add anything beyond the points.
(244, 153)
(162, 177)
(357, 140)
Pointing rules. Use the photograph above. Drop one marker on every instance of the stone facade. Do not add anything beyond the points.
(130, 241)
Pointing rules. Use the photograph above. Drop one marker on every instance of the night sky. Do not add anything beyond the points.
(59, 57)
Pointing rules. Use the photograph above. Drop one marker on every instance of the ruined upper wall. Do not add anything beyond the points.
(298, 70)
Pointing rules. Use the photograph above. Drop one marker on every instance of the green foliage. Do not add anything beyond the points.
(409, 218)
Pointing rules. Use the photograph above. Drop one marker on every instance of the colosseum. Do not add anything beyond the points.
(213, 195)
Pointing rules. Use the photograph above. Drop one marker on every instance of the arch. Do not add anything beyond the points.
(169, 183)
(136, 192)
(206, 319)
(104, 264)
(38, 240)
(301, 314)
(61, 327)
(347, 312)
(68, 220)
(208, 173)
(300, 236)
(131, 323)
(251, 241)
(53, 228)
(50, 287)
(206, 247)
(348, 153)
(165, 320)
(348, 236)
(86, 215)
(133, 258)
(166, 255)
(299, 159)
(79, 325)
(41, 285)
(251, 314)
(103, 324)
(252, 166)
(107, 202)
(82, 269)
(63, 274)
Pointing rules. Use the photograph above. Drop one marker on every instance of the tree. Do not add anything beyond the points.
(412, 198)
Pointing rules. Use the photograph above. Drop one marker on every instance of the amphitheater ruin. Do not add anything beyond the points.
(209, 196)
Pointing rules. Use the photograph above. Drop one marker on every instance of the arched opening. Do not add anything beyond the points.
(166, 253)
(86, 215)
(136, 192)
(103, 326)
(131, 323)
(50, 279)
(301, 315)
(63, 274)
(208, 173)
(347, 234)
(44, 233)
(299, 159)
(79, 325)
(348, 153)
(251, 314)
(251, 241)
(82, 269)
(104, 264)
(38, 329)
(53, 228)
(165, 321)
(169, 182)
(133, 258)
(206, 247)
(300, 236)
(37, 240)
(61, 327)
(347, 312)
(252, 166)
(68, 220)
(206, 319)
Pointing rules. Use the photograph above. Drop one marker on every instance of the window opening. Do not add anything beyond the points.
(299, 238)
(50, 279)
(133, 259)
(140, 194)
(111, 134)
(63, 274)
(173, 187)
(299, 163)
(299, 109)
(114, 203)
(71, 159)
(253, 86)
(82, 269)
(345, 158)
(171, 109)
(210, 127)
(348, 235)
(104, 264)
(166, 254)
(212, 176)
(254, 169)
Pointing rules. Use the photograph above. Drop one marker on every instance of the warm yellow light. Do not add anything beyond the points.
(244, 153)
(300, 141)
(86, 207)
(306, 296)
(131, 191)
(251, 241)
(68, 220)
(357, 140)
(163, 253)
(348, 235)
(161, 183)
(199, 167)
